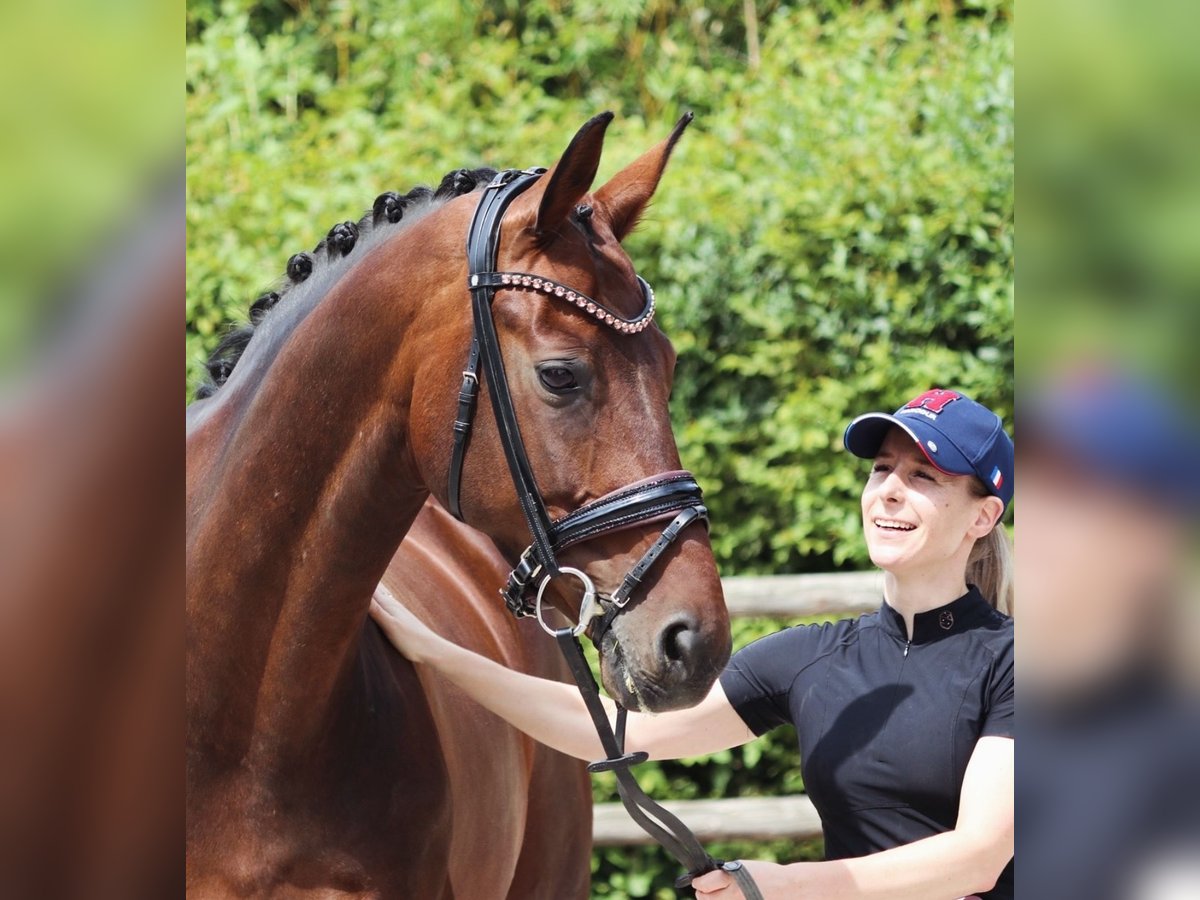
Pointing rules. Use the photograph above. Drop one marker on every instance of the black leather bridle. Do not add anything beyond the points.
(670, 494)
(674, 495)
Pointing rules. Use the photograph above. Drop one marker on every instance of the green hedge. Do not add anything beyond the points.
(834, 234)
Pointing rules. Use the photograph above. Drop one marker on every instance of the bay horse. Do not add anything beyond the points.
(314, 763)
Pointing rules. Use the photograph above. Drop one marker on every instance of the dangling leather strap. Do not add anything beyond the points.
(664, 827)
(657, 821)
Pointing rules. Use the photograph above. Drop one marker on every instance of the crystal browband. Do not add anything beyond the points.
(522, 281)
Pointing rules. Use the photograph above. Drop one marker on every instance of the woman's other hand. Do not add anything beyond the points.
(773, 881)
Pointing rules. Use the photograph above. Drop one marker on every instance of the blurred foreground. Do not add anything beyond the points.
(1108, 783)
(91, 284)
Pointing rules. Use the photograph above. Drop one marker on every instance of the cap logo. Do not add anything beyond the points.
(997, 478)
(932, 402)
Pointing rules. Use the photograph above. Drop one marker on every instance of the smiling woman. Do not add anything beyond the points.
(904, 716)
(942, 471)
(915, 517)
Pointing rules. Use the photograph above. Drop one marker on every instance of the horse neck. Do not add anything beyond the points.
(309, 486)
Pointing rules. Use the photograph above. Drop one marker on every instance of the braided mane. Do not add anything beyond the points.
(388, 210)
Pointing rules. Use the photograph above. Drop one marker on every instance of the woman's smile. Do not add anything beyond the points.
(893, 525)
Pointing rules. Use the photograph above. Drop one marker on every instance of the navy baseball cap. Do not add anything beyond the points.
(1121, 427)
(958, 435)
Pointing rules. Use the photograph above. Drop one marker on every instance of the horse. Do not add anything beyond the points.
(314, 765)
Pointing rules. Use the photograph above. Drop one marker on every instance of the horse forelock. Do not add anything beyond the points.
(309, 276)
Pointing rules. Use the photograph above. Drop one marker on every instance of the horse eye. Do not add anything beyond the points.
(557, 379)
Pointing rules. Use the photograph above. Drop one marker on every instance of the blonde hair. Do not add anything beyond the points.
(990, 565)
(990, 568)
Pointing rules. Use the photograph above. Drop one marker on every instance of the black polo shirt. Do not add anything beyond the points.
(886, 726)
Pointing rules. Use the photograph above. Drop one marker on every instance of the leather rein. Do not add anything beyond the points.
(674, 495)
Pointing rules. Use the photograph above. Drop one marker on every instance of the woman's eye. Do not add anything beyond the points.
(879, 467)
(923, 474)
(557, 379)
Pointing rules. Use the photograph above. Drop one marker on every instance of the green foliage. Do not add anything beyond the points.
(834, 234)
(843, 242)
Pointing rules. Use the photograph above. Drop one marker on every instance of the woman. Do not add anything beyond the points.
(904, 716)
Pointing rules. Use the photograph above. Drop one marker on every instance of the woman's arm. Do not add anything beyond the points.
(958, 863)
(553, 712)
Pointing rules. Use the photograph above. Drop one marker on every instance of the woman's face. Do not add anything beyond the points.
(917, 518)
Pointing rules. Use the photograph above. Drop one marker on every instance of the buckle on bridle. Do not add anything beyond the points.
(588, 609)
(517, 587)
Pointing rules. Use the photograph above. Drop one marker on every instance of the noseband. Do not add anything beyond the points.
(674, 495)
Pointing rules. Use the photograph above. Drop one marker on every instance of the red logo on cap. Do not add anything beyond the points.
(934, 401)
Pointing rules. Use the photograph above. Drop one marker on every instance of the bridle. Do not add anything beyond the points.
(674, 495)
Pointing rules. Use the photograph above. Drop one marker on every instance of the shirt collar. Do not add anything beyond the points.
(960, 615)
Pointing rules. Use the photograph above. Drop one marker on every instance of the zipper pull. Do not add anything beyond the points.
(907, 644)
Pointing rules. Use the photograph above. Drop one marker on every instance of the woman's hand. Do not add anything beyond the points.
(412, 637)
(774, 881)
(784, 882)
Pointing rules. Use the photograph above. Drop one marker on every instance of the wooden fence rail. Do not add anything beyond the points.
(743, 818)
(756, 818)
(788, 596)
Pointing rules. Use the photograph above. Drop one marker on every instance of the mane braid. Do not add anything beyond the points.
(341, 240)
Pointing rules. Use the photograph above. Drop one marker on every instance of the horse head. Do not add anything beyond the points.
(588, 376)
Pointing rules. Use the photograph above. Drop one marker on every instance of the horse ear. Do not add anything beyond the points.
(625, 196)
(572, 176)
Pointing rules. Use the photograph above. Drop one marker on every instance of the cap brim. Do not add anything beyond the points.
(865, 435)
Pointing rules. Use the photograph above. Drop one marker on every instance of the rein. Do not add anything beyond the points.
(674, 495)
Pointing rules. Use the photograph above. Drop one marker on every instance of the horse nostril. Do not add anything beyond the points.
(678, 640)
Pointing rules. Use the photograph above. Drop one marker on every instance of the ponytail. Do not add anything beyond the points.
(990, 568)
